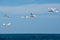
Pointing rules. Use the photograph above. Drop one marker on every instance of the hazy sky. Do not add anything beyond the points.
(23, 2)
(41, 24)
(27, 6)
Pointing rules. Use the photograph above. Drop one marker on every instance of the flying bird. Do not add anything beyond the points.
(53, 10)
(30, 16)
(6, 16)
(7, 24)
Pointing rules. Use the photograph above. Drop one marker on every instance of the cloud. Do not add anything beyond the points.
(34, 8)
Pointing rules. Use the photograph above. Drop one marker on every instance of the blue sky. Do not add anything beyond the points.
(22, 2)
(42, 24)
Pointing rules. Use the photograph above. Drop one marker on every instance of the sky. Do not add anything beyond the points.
(23, 2)
(13, 6)
(43, 23)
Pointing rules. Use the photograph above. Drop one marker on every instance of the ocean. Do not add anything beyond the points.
(29, 36)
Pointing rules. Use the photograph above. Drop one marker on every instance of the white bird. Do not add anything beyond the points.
(6, 24)
(30, 16)
(53, 10)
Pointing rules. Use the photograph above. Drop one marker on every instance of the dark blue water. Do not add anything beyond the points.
(29, 36)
